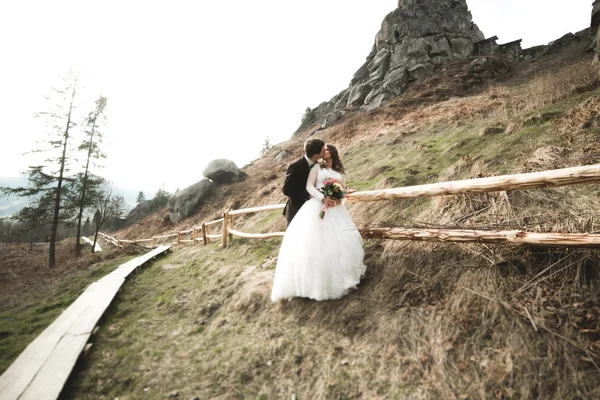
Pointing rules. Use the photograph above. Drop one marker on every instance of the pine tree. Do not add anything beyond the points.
(48, 182)
(266, 146)
(140, 198)
(90, 185)
(160, 200)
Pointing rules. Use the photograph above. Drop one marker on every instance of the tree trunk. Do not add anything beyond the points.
(480, 236)
(95, 240)
(52, 252)
(82, 198)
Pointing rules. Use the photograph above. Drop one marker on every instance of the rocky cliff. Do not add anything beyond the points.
(594, 31)
(413, 39)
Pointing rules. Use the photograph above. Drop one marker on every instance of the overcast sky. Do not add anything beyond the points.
(191, 81)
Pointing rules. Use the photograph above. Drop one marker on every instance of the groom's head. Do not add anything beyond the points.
(314, 147)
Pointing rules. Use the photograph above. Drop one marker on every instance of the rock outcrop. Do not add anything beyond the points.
(415, 38)
(594, 31)
(222, 171)
(138, 213)
(183, 203)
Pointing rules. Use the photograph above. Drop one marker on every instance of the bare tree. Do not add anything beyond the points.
(110, 205)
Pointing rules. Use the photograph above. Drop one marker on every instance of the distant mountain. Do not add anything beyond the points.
(12, 204)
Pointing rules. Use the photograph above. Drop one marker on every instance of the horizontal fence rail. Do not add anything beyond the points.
(480, 236)
(532, 180)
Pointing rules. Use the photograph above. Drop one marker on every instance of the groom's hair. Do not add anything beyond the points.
(313, 146)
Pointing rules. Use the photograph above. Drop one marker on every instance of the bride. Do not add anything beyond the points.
(320, 258)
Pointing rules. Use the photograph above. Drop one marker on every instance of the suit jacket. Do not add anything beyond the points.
(294, 187)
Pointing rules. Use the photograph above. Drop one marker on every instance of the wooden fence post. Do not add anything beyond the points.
(194, 234)
(230, 236)
(153, 241)
(178, 238)
(225, 223)
(204, 238)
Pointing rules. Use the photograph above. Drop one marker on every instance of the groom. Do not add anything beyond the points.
(297, 175)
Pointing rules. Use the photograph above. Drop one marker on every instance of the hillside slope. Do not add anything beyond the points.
(429, 320)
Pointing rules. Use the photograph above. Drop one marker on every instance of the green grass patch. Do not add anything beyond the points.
(19, 326)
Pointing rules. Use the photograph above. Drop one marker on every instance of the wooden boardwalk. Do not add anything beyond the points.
(41, 370)
(96, 248)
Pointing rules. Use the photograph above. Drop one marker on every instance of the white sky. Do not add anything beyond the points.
(191, 81)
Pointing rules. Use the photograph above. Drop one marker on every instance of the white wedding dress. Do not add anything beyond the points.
(319, 258)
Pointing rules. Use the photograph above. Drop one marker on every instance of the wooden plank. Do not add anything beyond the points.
(91, 243)
(127, 268)
(257, 209)
(213, 236)
(54, 373)
(557, 177)
(480, 236)
(256, 235)
(20, 373)
(51, 355)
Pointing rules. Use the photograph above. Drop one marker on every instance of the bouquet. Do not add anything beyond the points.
(332, 188)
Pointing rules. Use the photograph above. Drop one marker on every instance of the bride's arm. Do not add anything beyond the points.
(310, 184)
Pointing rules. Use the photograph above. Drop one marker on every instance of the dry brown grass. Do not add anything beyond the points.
(24, 273)
(551, 87)
(429, 321)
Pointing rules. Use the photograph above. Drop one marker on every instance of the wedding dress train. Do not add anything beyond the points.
(319, 258)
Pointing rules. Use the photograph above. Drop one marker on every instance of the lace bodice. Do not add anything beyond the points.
(316, 178)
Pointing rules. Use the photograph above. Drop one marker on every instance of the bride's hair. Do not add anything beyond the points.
(336, 162)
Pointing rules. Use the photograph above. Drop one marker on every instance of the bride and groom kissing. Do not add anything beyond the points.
(321, 256)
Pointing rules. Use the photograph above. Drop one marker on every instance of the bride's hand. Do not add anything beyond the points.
(348, 191)
(329, 202)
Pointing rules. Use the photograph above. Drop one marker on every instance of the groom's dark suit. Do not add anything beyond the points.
(294, 187)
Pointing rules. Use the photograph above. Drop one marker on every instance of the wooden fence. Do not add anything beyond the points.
(552, 178)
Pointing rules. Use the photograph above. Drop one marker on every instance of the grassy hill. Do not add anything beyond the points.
(430, 320)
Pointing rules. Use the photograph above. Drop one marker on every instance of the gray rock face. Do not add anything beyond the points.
(594, 31)
(182, 204)
(221, 171)
(415, 38)
(282, 155)
(331, 119)
(138, 213)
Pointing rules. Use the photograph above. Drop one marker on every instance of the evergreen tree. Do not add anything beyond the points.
(266, 146)
(87, 226)
(160, 200)
(90, 185)
(140, 198)
(48, 182)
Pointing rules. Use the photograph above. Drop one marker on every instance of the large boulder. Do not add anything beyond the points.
(222, 171)
(183, 203)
